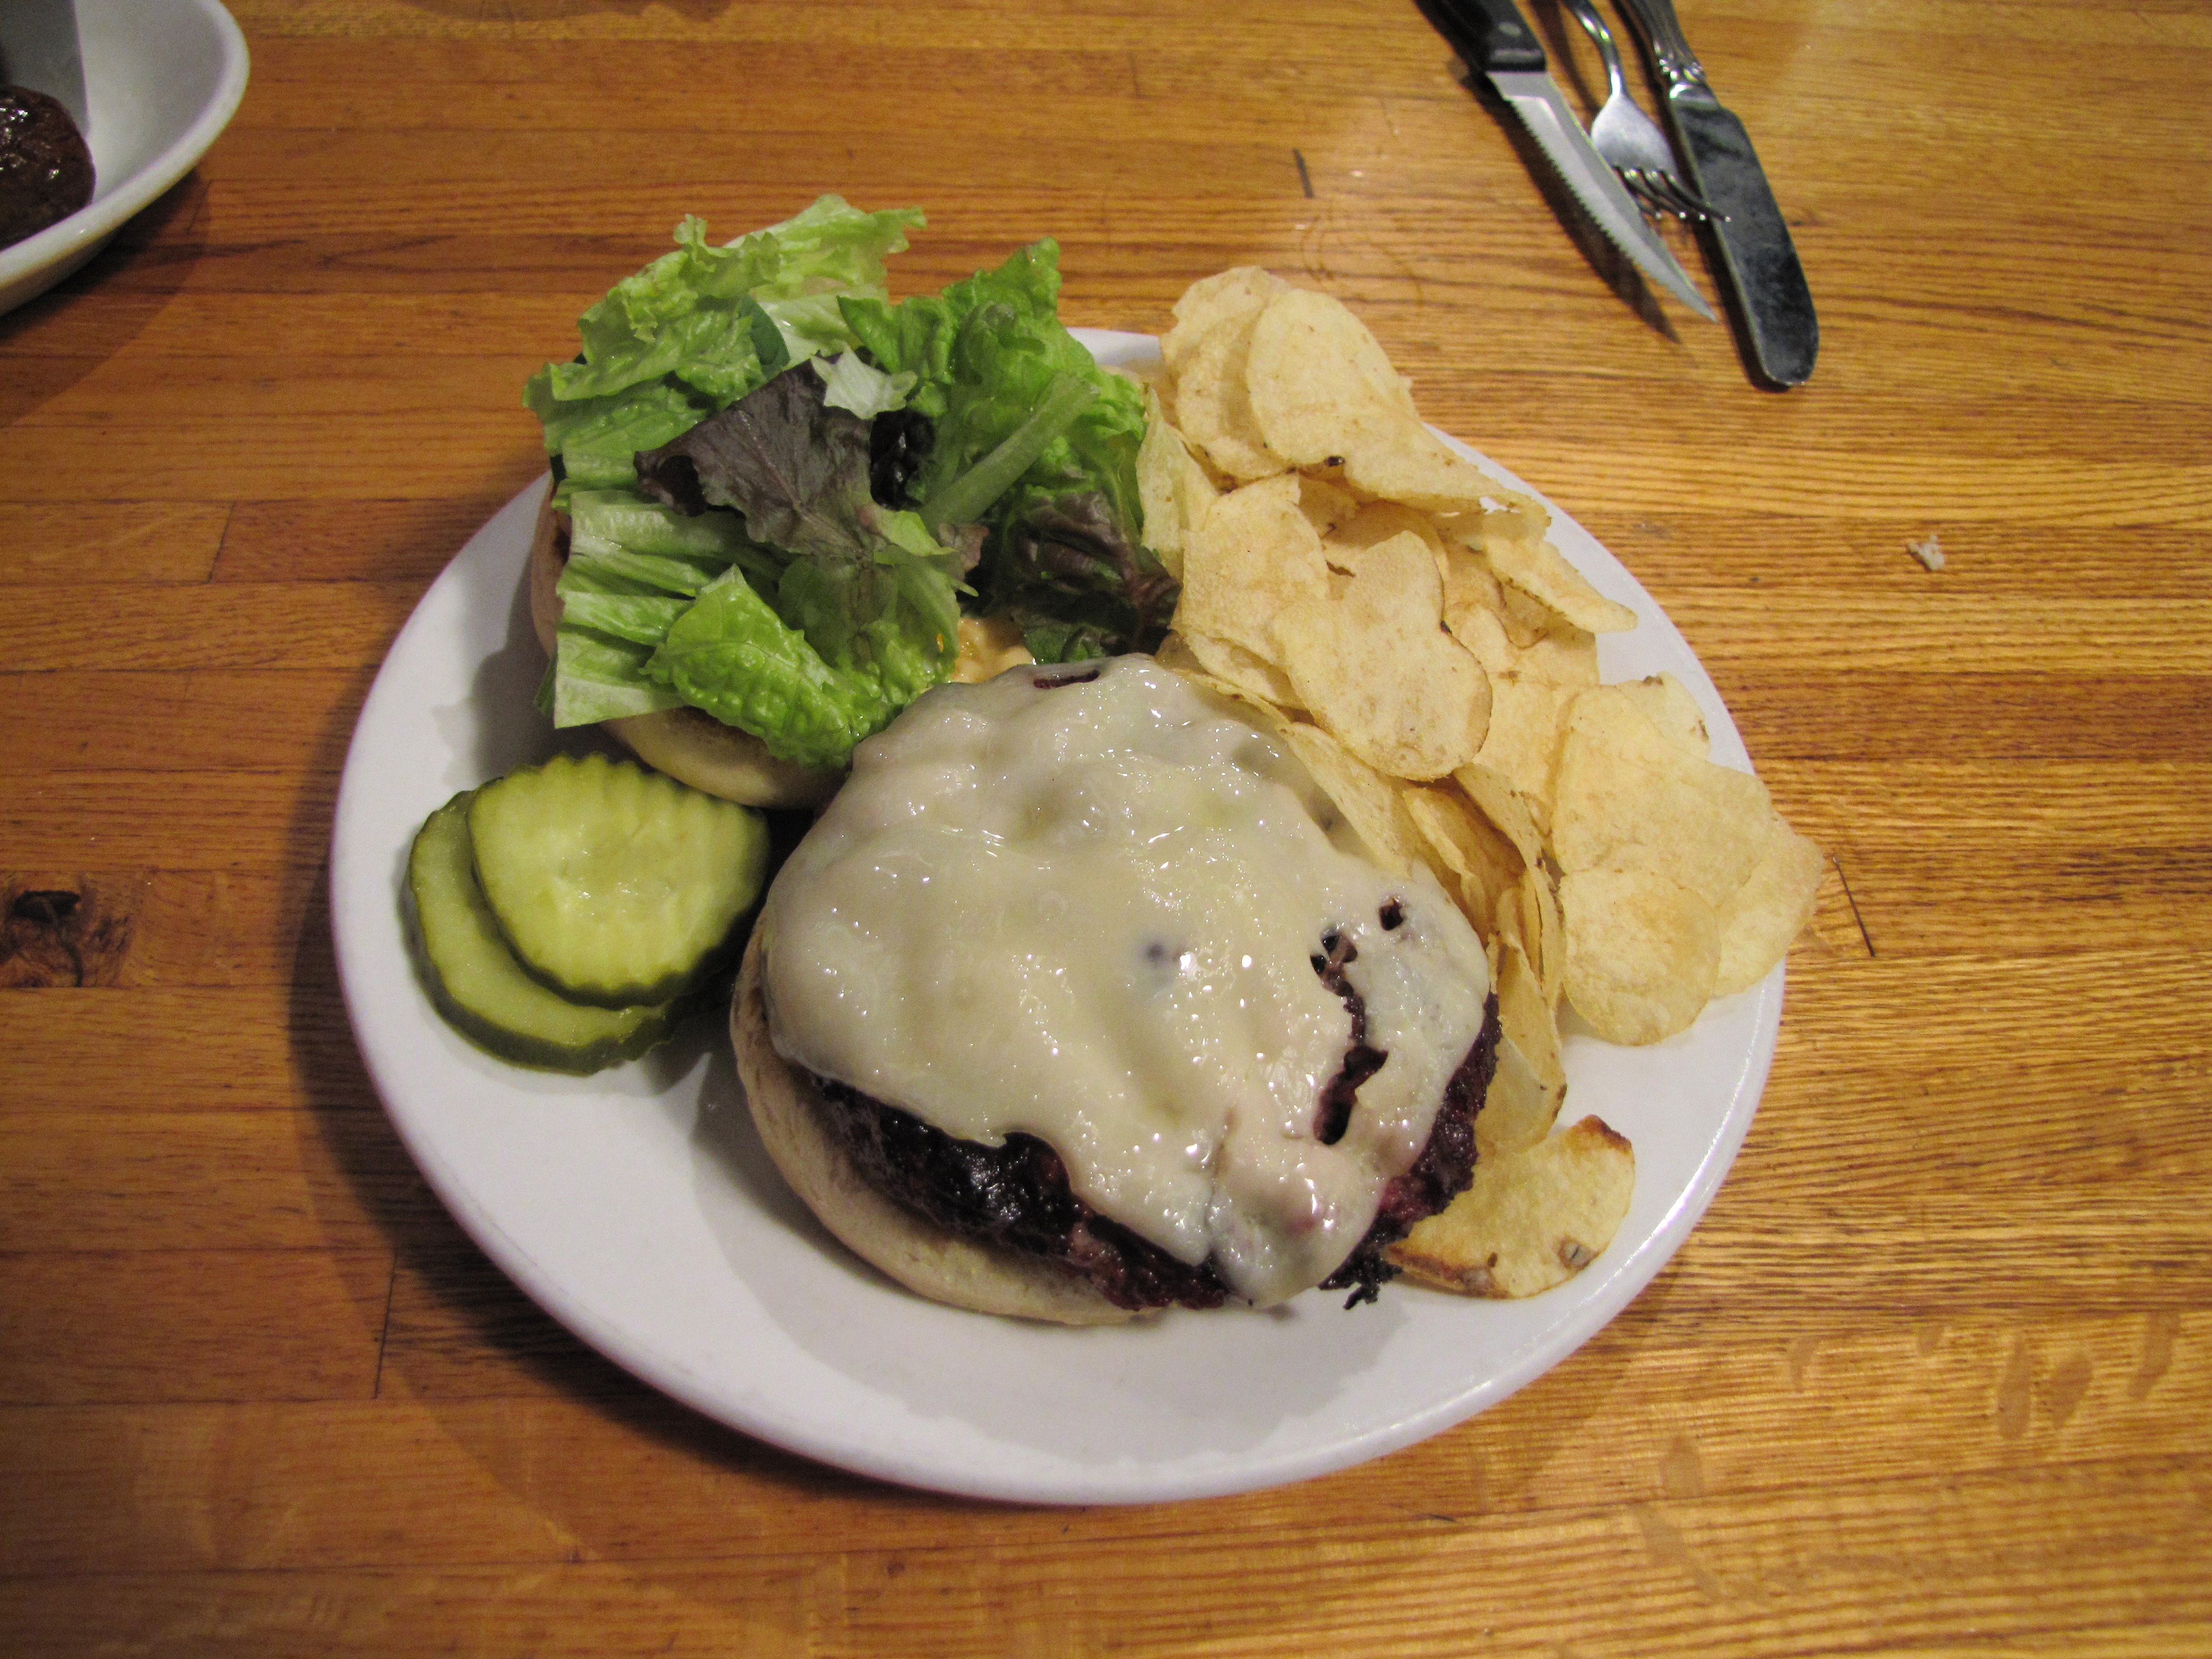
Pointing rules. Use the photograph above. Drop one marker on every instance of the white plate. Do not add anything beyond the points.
(639, 1209)
(160, 79)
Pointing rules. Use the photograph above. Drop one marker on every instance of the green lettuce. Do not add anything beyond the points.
(1029, 435)
(731, 655)
(720, 442)
(761, 582)
(634, 567)
(703, 325)
(867, 588)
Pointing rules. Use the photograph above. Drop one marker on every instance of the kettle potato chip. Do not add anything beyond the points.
(1255, 554)
(1759, 919)
(1535, 567)
(1207, 354)
(1373, 664)
(1643, 951)
(1535, 1217)
(1628, 792)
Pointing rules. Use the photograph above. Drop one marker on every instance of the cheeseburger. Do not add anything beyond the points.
(1080, 1000)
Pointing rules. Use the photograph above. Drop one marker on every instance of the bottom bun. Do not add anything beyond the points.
(688, 744)
(918, 1253)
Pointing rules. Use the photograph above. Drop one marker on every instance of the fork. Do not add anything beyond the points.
(1630, 141)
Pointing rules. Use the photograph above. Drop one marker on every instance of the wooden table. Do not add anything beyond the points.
(1933, 1375)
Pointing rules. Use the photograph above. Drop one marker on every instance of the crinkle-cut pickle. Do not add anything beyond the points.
(613, 885)
(479, 987)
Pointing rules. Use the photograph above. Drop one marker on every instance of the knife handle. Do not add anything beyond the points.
(1492, 32)
(1671, 56)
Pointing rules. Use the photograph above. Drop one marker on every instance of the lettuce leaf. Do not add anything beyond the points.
(702, 326)
(851, 382)
(1011, 392)
(633, 566)
(730, 654)
(864, 600)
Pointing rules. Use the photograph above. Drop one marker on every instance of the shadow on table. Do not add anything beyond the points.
(135, 276)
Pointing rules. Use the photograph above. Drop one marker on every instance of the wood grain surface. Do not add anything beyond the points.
(1933, 1376)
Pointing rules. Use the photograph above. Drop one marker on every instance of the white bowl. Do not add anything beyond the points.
(162, 79)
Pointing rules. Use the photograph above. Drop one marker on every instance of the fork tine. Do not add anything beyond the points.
(1641, 186)
(1633, 179)
(1681, 199)
(1662, 193)
(1671, 192)
(1631, 140)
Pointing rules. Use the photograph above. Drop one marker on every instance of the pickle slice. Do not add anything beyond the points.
(613, 885)
(480, 988)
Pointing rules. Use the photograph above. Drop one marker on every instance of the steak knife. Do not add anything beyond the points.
(1494, 37)
(1758, 264)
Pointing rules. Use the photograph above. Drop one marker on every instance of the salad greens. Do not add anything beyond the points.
(698, 328)
(783, 487)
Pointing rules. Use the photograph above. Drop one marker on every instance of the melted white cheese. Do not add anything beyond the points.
(1089, 911)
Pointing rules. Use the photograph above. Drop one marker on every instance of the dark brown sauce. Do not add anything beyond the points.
(45, 168)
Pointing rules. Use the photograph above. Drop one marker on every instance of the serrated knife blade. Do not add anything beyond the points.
(1496, 40)
(1756, 262)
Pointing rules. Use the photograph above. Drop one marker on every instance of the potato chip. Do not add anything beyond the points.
(1215, 413)
(1477, 625)
(1528, 619)
(1239, 291)
(1475, 863)
(1324, 394)
(1667, 704)
(1250, 673)
(1493, 795)
(1517, 1108)
(1562, 655)
(1531, 683)
(1474, 603)
(1370, 803)
(1625, 791)
(1535, 567)
(1531, 1081)
(1325, 504)
(1207, 354)
(1542, 930)
(1521, 744)
(1373, 522)
(1174, 652)
(1174, 490)
(1771, 908)
(1255, 554)
(1321, 368)
(1641, 952)
(1532, 1219)
(1376, 668)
